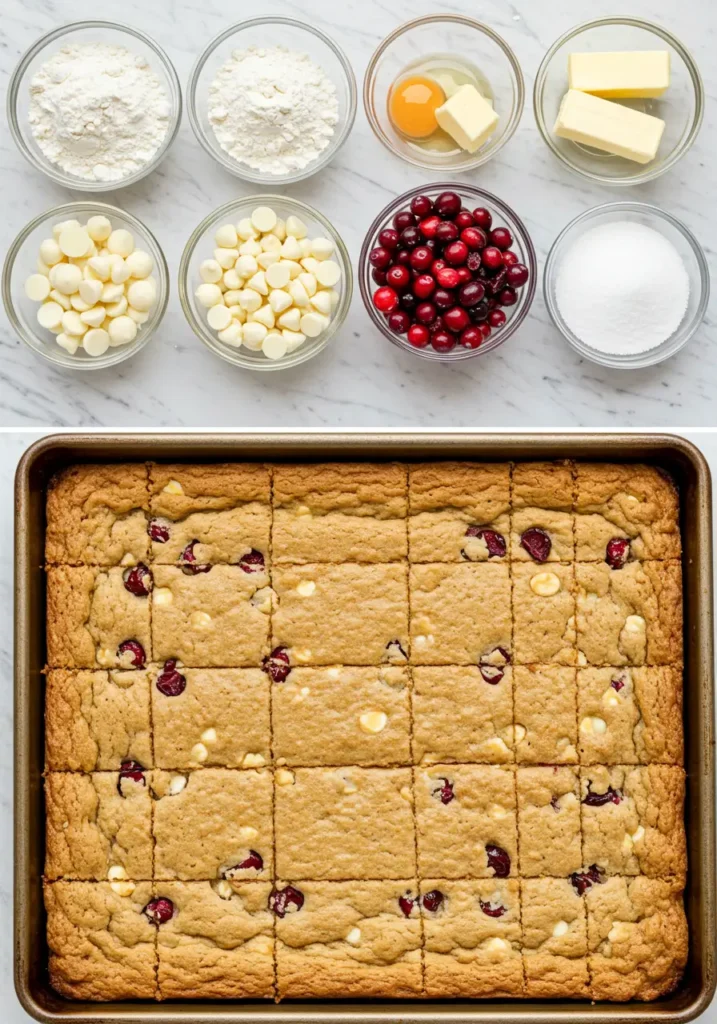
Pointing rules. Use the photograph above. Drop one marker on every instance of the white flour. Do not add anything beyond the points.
(273, 109)
(98, 111)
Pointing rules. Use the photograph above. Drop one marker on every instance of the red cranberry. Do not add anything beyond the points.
(492, 909)
(408, 301)
(252, 562)
(190, 565)
(495, 283)
(426, 313)
(138, 580)
(285, 901)
(131, 770)
(483, 218)
(403, 220)
(517, 274)
(437, 266)
(510, 258)
(584, 880)
(464, 219)
(136, 650)
(158, 532)
(616, 552)
(537, 543)
(421, 206)
(423, 286)
(473, 263)
(617, 683)
(378, 276)
(555, 803)
(410, 237)
(388, 238)
(471, 337)
(433, 901)
(254, 862)
(170, 682)
(447, 232)
(485, 331)
(429, 226)
(277, 665)
(379, 257)
(448, 277)
(501, 238)
(407, 903)
(395, 651)
(421, 258)
(456, 253)
(474, 238)
(492, 257)
(494, 541)
(456, 319)
(399, 322)
(418, 336)
(444, 792)
(610, 796)
(442, 341)
(498, 860)
(464, 275)
(448, 205)
(496, 318)
(479, 313)
(398, 277)
(402, 257)
(159, 910)
(444, 299)
(507, 297)
(471, 293)
(385, 300)
(491, 673)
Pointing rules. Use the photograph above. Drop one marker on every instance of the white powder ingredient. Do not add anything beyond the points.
(622, 288)
(273, 109)
(97, 111)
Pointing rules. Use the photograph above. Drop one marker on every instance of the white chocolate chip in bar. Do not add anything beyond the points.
(545, 584)
(173, 487)
(373, 721)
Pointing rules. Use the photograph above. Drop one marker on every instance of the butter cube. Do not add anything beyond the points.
(609, 126)
(637, 74)
(467, 118)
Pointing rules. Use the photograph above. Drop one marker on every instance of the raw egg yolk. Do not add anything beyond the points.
(413, 106)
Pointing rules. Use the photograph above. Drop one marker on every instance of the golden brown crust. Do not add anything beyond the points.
(179, 489)
(554, 939)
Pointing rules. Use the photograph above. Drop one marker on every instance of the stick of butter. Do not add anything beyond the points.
(609, 126)
(628, 75)
(467, 118)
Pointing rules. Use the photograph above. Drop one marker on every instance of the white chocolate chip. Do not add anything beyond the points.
(208, 295)
(296, 227)
(313, 324)
(303, 655)
(264, 316)
(122, 331)
(199, 619)
(219, 317)
(122, 888)
(270, 244)
(497, 745)
(246, 230)
(140, 264)
(142, 294)
(65, 278)
(322, 248)
(73, 324)
(50, 252)
(263, 219)
(96, 342)
(105, 657)
(162, 595)
(635, 624)
(309, 283)
(620, 931)
(293, 339)
(373, 721)
(279, 301)
(406, 793)
(37, 287)
(74, 241)
(291, 250)
(258, 283)
(298, 293)
(209, 735)
(496, 945)
(120, 242)
(116, 872)
(516, 733)
(264, 599)
(593, 725)
(321, 303)
(247, 833)
(253, 335)
(177, 784)
(224, 889)
(250, 300)
(328, 274)
(610, 698)
(253, 761)
(560, 929)
(226, 236)
(306, 588)
(638, 834)
(173, 487)
(284, 777)
(545, 584)
(199, 753)
(497, 811)
(278, 275)
(67, 342)
(354, 936)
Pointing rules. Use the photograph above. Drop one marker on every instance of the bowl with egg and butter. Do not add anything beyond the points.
(444, 92)
(618, 100)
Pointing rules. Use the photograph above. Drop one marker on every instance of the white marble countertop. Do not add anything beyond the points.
(12, 445)
(362, 380)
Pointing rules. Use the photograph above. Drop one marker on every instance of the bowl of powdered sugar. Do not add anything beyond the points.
(627, 285)
(272, 99)
(94, 105)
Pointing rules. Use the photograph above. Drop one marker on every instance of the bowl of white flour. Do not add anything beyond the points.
(272, 100)
(94, 105)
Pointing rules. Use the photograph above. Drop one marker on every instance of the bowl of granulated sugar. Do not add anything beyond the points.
(626, 284)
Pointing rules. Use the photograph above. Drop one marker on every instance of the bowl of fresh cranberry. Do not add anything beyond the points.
(447, 272)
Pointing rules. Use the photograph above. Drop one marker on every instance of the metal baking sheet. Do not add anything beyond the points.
(680, 458)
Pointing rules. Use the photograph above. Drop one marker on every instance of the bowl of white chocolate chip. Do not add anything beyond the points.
(85, 285)
(265, 282)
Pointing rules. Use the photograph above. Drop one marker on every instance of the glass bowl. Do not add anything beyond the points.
(503, 216)
(434, 36)
(200, 247)
(685, 243)
(18, 95)
(264, 33)
(21, 261)
(681, 107)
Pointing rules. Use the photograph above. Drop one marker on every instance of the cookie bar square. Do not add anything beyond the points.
(94, 621)
(637, 936)
(347, 940)
(98, 826)
(462, 713)
(630, 715)
(633, 502)
(339, 512)
(210, 514)
(342, 715)
(632, 819)
(544, 614)
(466, 821)
(216, 619)
(340, 614)
(213, 823)
(548, 821)
(102, 945)
(459, 511)
(555, 943)
(630, 616)
(218, 943)
(545, 713)
(472, 937)
(97, 515)
(542, 521)
(460, 614)
(344, 823)
(95, 720)
(216, 717)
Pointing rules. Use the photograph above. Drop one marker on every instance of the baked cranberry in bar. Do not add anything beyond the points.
(345, 939)
(544, 614)
(97, 515)
(339, 512)
(625, 512)
(96, 719)
(542, 521)
(218, 942)
(459, 511)
(545, 710)
(554, 928)
(472, 937)
(219, 512)
(548, 821)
